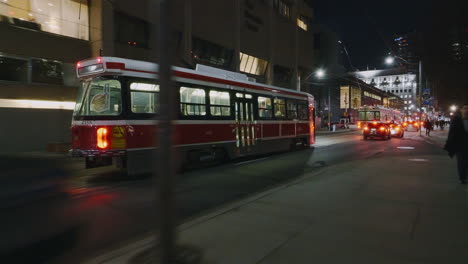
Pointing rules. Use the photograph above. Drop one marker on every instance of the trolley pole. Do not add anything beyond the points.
(164, 170)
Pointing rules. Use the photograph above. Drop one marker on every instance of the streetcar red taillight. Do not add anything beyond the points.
(366, 128)
(102, 139)
(382, 128)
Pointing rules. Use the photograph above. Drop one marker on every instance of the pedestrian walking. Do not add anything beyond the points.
(428, 127)
(442, 124)
(457, 142)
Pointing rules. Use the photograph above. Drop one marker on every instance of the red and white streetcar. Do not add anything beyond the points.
(221, 114)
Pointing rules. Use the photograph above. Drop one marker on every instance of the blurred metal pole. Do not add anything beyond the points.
(165, 168)
(420, 96)
(329, 109)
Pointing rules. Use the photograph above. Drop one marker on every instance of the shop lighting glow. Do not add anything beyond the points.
(36, 104)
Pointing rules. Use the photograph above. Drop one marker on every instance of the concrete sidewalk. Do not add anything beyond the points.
(381, 210)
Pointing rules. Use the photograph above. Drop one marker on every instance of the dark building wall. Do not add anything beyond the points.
(32, 43)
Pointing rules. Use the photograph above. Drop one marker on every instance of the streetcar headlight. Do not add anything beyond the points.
(102, 141)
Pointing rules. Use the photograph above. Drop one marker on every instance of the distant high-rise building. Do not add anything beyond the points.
(404, 46)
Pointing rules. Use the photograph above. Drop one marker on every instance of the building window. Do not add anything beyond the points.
(280, 108)
(206, 52)
(144, 98)
(46, 71)
(64, 17)
(252, 65)
(282, 8)
(192, 101)
(13, 69)
(264, 107)
(371, 95)
(282, 76)
(131, 30)
(220, 104)
(302, 22)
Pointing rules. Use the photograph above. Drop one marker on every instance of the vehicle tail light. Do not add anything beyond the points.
(375, 123)
(422, 123)
(415, 124)
(366, 128)
(382, 128)
(397, 128)
(102, 139)
(405, 124)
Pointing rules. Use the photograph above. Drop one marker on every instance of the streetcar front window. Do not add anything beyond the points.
(99, 97)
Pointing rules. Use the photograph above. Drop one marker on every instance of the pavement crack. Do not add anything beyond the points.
(415, 223)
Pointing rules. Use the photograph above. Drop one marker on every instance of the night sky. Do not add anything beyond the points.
(367, 26)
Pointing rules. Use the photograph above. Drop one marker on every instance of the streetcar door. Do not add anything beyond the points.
(245, 123)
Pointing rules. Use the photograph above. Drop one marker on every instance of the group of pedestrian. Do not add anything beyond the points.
(457, 142)
(440, 123)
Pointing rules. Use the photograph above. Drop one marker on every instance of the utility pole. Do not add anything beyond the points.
(165, 166)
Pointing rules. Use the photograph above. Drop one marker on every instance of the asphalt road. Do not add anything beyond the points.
(105, 210)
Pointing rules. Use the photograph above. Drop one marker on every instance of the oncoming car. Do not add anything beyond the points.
(396, 130)
(376, 130)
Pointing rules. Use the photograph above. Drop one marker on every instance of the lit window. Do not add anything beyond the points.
(280, 108)
(144, 98)
(264, 107)
(252, 65)
(192, 101)
(220, 104)
(63, 17)
(302, 23)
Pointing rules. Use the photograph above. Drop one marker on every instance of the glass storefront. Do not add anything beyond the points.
(64, 17)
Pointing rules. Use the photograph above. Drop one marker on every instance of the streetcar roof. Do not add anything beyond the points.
(120, 66)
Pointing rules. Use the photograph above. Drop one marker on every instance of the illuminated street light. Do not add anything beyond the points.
(453, 108)
(320, 73)
(389, 60)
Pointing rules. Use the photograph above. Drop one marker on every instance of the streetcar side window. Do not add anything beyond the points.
(302, 111)
(280, 108)
(144, 98)
(192, 101)
(264, 107)
(292, 110)
(220, 103)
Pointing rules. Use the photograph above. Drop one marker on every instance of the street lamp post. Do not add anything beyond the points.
(320, 74)
(390, 60)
